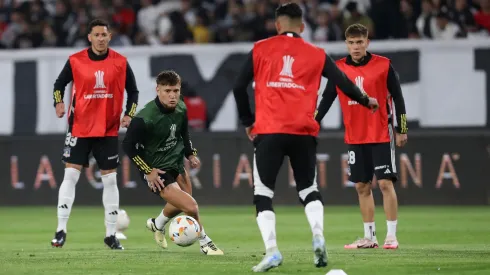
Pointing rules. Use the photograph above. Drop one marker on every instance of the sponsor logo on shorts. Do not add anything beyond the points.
(380, 167)
(66, 152)
(113, 157)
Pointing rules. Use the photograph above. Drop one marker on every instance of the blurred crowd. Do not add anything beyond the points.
(63, 23)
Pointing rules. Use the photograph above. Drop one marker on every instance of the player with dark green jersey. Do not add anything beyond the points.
(157, 141)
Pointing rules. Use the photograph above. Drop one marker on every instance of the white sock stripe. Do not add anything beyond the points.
(109, 175)
(259, 187)
(313, 188)
(72, 170)
(392, 149)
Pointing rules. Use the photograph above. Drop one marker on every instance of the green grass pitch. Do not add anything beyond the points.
(433, 240)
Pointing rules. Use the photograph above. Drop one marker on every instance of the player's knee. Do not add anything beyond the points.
(385, 185)
(191, 209)
(71, 176)
(311, 197)
(262, 203)
(363, 189)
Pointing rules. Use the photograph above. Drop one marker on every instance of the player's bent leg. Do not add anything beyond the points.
(110, 199)
(66, 196)
(366, 204)
(185, 202)
(157, 225)
(390, 203)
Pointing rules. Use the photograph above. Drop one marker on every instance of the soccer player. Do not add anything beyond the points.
(99, 76)
(154, 142)
(370, 139)
(287, 73)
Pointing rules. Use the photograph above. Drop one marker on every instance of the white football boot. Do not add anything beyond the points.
(159, 234)
(270, 260)
(320, 250)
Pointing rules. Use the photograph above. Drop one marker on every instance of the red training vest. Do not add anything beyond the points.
(287, 74)
(98, 90)
(361, 125)
(196, 112)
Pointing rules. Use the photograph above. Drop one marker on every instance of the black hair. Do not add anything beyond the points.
(168, 78)
(97, 23)
(290, 10)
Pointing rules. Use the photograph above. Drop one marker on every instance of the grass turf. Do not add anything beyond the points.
(433, 240)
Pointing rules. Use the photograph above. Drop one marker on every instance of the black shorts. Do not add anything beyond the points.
(168, 178)
(270, 150)
(104, 149)
(366, 160)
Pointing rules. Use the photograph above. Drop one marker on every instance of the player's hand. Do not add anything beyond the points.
(373, 104)
(195, 162)
(125, 121)
(401, 140)
(60, 109)
(154, 180)
(248, 130)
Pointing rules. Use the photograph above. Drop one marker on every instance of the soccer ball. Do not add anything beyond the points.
(122, 221)
(184, 231)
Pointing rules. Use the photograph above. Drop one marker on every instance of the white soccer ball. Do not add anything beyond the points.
(122, 221)
(184, 230)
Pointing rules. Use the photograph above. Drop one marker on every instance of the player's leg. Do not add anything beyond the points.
(75, 156)
(157, 225)
(173, 194)
(302, 155)
(106, 153)
(361, 167)
(268, 158)
(385, 170)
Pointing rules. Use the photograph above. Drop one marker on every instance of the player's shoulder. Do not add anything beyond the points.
(115, 54)
(80, 53)
(147, 110)
(181, 107)
(264, 41)
(341, 61)
(377, 57)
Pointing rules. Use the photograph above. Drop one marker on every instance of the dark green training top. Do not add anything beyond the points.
(158, 137)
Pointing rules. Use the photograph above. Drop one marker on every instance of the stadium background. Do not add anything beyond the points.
(444, 74)
(441, 50)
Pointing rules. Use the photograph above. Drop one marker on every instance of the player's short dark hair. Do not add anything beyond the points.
(290, 10)
(356, 30)
(168, 78)
(97, 23)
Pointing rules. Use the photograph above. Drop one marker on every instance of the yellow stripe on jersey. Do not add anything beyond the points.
(403, 122)
(132, 111)
(142, 165)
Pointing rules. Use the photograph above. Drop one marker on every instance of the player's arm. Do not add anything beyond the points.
(135, 135)
(240, 92)
(132, 92)
(328, 97)
(333, 73)
(188, 149)
(65, 77)
(395, 89)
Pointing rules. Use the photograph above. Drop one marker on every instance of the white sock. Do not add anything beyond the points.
(66, 196)
(110, 199)
(314, 214)
(161, 221)
(204, 239)
(267, 225)
(391, 228)
(370, 231)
